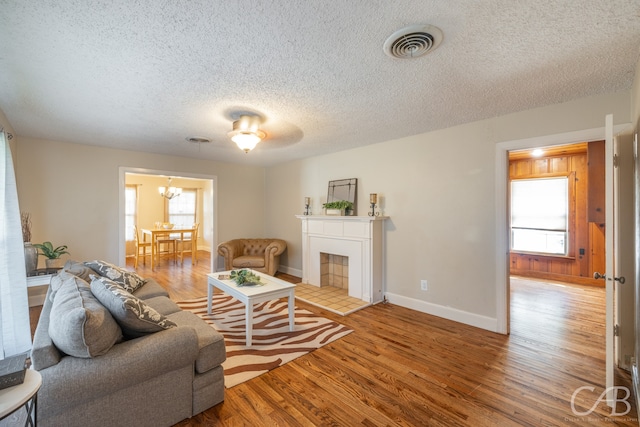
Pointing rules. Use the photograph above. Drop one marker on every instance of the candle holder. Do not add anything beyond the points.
(373, 210)
(373, 199)
(307, 202)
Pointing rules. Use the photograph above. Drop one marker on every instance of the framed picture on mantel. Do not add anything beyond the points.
(344, 189)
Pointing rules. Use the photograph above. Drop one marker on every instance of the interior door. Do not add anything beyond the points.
(611, 232)
(616, 251)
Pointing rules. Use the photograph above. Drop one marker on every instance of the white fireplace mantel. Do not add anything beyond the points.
(360, 238)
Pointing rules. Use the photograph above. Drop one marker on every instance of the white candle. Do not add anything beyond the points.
(373, 198)
(307, 201)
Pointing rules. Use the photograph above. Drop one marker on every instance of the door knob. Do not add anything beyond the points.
(620, 279)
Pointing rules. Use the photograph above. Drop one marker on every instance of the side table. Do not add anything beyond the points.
(41, 277)
(25, 394)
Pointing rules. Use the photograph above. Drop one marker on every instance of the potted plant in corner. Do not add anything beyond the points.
(338, 207)
(53, 254)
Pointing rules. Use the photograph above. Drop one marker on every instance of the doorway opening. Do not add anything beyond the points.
(502, 197)
(152, 207)
(556, 230)
(556, 212)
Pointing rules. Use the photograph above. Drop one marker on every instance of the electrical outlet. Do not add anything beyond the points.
(423, 285)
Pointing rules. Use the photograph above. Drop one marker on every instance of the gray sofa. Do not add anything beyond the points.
(119, 375)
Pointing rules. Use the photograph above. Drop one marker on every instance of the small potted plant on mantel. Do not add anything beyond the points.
(339, 207)
(53, 254)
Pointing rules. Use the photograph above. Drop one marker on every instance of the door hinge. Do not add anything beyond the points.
(616, 330)
(616, 160)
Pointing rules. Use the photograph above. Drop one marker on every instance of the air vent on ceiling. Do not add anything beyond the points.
(198, 139)
(413, 41)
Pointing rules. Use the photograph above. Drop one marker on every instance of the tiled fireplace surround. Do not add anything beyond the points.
(344, 252)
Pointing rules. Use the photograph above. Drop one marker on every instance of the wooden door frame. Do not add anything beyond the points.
(635, 375)
(503, 308)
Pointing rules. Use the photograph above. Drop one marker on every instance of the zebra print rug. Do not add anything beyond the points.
(273, 343)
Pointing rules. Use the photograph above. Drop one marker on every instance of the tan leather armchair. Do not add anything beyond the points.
(259, 254)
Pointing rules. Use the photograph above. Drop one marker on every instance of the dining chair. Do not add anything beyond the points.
(140, 245)
(190, 239)
(169, 242)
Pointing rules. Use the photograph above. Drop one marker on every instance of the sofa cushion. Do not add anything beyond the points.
(150, 289)
(248, 261)
(129, 280)
(134, 316)
(162, 305)
(78, 268)
(78, 324)
(211, 348)
(59, 279)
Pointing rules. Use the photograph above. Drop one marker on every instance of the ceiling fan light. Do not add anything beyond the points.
(246, 132)
(246, 141)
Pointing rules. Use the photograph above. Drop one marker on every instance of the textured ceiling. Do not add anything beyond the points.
(145, 75)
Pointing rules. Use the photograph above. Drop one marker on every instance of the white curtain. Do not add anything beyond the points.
(15, 334)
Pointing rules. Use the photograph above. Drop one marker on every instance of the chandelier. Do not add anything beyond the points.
(169, 192)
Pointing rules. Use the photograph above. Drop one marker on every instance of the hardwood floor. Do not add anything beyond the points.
(405, 368)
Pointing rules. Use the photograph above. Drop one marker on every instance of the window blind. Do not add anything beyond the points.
(540, 204)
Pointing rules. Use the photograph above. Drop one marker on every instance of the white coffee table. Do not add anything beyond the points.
(273, 288)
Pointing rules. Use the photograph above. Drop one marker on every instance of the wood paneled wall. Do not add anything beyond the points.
(586, 253)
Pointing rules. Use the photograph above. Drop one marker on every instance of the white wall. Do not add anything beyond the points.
(439, 190)
(72, 190)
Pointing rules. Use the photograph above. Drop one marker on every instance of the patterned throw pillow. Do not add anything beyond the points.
(129, 280)
(134, 316)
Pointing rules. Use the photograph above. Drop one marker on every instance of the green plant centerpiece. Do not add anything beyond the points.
(49, 251)
(245, 277)
(53, 260)
(339, 205)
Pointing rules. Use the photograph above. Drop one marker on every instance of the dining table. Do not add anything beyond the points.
(153, 234)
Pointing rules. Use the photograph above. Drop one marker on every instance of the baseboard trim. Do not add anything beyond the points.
(587, 281)
(289, 270)
(472, 319)
(35, 300)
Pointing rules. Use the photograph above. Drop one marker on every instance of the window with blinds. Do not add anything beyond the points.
(181, 210)
(540, 215)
